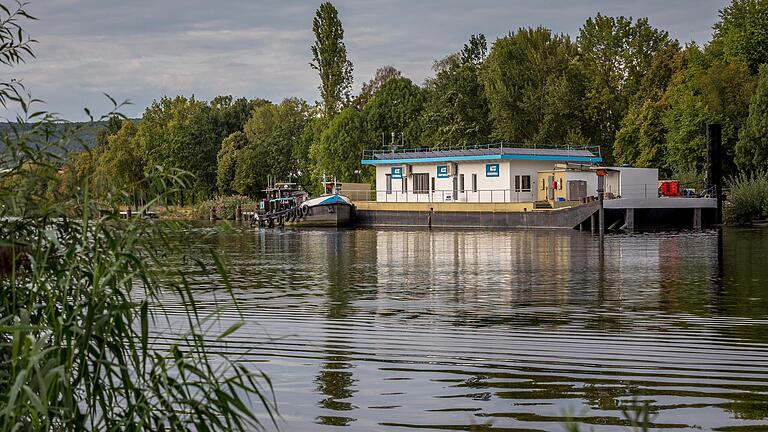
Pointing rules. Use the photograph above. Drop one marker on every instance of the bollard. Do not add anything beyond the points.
(629, 220)
(238, 213)
(213, 214)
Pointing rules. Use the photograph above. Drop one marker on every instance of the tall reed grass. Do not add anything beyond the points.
(80, 294)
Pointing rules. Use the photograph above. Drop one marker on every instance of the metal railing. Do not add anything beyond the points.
(652, 191)
(448, 195)
(371, 154)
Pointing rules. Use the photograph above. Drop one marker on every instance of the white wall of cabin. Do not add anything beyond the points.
(489, 189)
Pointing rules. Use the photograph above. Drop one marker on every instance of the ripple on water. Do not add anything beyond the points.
(520, 330)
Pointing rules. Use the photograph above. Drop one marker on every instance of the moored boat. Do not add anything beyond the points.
(284, 206)
(327, 210)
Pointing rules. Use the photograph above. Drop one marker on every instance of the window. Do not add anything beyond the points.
(433, 185)
(420, 183)
(522, 183)
(405, 184)
(389, 183)
(461, 183)
(474, 182)
(526, 183)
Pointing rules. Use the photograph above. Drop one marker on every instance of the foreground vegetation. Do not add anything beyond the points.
(747, 199)
(81, 291)
(620, 84)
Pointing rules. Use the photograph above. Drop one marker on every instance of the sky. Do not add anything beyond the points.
(141, 50)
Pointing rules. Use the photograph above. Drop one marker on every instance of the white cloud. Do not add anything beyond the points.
(142, 50)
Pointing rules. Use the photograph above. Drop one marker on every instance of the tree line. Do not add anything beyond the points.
(621, 85)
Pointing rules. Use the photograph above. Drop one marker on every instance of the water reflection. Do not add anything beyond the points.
(335, 379)
(377, 329)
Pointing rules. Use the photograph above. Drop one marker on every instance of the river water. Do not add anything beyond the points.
(371, 330)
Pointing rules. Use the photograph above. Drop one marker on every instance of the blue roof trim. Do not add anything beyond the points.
(481, 157)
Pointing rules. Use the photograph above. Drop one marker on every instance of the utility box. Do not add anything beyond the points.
(576, 190)
(670, 188)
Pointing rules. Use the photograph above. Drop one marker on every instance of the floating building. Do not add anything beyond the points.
(483, 174)
(507, 186)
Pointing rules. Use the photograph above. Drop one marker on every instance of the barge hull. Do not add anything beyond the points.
(566, 218)
(332, 215)
(620, 214)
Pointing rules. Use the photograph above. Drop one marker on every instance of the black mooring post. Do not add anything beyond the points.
(601, 209)
(715, 166)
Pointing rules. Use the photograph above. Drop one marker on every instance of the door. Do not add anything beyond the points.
(550, 188)
(455, 194)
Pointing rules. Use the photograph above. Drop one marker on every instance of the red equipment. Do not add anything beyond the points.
(670, 188)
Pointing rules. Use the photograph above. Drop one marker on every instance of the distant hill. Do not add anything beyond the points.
(82, 134)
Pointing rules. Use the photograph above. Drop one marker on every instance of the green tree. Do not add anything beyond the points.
(249, 177)
(743, 31)
(640, 141)
(533, 87)
(338, 151)
(329, 58)
(382, 75)
(310, 137)
(709, 90)
(615, 53)
(475, 51)
(266, 148)
(227, 159)
(457, 111)
(181, 133)
(684, 121)
(81, 168)
(752, 147)
(121, 166)
(113, 125)
(230, 115)
(396, 107)
(642, 136)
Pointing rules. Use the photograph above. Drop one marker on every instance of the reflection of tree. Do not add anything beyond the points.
(341, 279)
(749, 409)
(744, 276)
(686, 272)
(335, 380)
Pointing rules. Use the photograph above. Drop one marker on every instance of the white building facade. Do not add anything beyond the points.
(627, 182)
(488, 174)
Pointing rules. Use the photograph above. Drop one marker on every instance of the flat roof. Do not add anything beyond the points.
(384, 157)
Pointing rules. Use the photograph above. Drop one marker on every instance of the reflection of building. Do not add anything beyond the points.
(478, 269)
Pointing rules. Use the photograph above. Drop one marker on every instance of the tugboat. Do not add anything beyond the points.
(288, 204)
